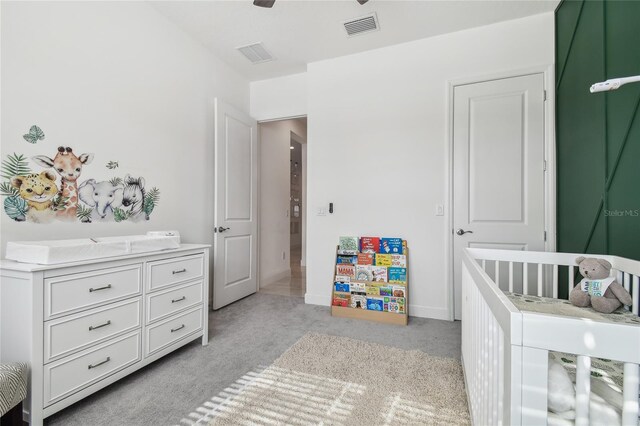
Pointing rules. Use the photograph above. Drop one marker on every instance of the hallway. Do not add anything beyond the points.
(296, 284)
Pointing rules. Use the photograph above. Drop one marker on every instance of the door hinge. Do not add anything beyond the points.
(545, 236)
(544, 165)
(544, 94)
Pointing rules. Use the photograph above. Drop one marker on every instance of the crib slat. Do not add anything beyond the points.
(525, 279)
(630, 394)
(627, 281)
(583, 388)
(511, 277)
(497, 277)
(635, 296)
(571, 274)
(539, 279)
(555, 281)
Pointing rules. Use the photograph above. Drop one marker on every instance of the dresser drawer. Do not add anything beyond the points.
(171, 330)
(163, 273)
(77, 292)
(73, 373)
(165, 303)
(74, 332)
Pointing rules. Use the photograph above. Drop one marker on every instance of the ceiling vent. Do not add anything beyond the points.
(256, 53)
(364, 24)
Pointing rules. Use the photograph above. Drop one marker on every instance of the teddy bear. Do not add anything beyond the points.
(597, 289)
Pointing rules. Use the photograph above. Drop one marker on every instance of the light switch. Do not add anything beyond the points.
(322, 211)
(439, 210)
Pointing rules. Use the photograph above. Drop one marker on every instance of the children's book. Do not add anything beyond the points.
(358, 301)
(343, 278)
(399, 291)
(373, 289)
(348, 245)
(391, 246)
(342, 287)
(365, 259)
(369, 244)
(358, 287)
(386, 291)
(379, 274)
(397, 275)
(347, 259)
(364, 273)
(399, 260)
(394, 304)
(343, 300)
(383, 260)
(375, 304)
(346, 269)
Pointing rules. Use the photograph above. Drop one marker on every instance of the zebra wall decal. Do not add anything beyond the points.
(133, 199)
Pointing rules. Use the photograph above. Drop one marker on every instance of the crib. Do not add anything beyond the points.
(506, 347)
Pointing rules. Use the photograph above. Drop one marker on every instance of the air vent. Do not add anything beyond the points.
(364, 24)
(256, 53)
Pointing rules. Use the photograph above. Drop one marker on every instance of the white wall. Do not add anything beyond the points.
(119, 80)
(280, 97)
(275, 139)
(377, 133)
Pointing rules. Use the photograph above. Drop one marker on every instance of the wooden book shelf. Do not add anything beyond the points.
(370, 315)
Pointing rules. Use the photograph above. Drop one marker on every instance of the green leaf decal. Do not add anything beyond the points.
(116, 181)
(8, 190)
(151, 200)
(84, 213)
(119, 215)
(59, 202)
(35, 134)
(112, 165)
(16, 208)
(14, 165)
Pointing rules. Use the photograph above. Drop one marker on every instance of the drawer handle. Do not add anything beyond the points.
(176, 329)
(178, 300)
(91, 290)
(100, 363)
(179, 271)
(93, 327)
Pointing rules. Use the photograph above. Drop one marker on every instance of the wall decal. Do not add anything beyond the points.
(56, 193)
(35, 134)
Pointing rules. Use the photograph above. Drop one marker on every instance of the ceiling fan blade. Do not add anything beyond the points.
(266, 3)
(362, 1)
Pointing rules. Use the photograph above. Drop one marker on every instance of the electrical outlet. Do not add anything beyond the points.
(439, 210)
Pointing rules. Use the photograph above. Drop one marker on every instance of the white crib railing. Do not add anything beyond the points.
(505, 351)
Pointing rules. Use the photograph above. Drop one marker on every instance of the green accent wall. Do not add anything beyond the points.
(598, 135)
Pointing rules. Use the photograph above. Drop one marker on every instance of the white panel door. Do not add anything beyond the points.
(498, 167)
(236, 206)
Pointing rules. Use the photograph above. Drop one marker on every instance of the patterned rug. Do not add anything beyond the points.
(333, 380)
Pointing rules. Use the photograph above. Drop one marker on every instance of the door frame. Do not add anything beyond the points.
(548, 73)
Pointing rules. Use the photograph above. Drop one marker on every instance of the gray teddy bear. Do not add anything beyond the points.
(597, 289)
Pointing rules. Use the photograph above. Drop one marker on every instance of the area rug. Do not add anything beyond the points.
(332, 380)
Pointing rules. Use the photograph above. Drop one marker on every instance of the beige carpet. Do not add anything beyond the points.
(333, 380)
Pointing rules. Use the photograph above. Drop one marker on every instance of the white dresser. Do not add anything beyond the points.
(81, 326)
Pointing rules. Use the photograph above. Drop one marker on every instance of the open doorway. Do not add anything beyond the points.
(282, 207)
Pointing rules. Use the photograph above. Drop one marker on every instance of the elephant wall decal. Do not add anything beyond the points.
(103, 197)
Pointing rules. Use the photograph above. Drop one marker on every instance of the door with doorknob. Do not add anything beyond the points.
(498, 168)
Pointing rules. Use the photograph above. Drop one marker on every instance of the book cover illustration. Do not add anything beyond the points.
(379, 274)
(342, 287)
(364, 273)
(346, 269)
(394, 304)
(343, 300)
(365, 259)
(369, 244)
(358, 301)
(383, 260)
(398, 260)
(348, 245)
(373, 289)
(358, 287)
(386, 291)
(399, 291)
(347, 259)
(375, 304)
(391, 246)
(397, 275)
(343, 279)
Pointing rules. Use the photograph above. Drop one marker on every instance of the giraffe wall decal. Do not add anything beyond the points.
(69, 167)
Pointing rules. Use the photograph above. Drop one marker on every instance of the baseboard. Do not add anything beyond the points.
(317, 299)
(270, 279)
(429, 312)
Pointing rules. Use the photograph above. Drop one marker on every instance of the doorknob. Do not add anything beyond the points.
(461, 231)
(221, 229)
